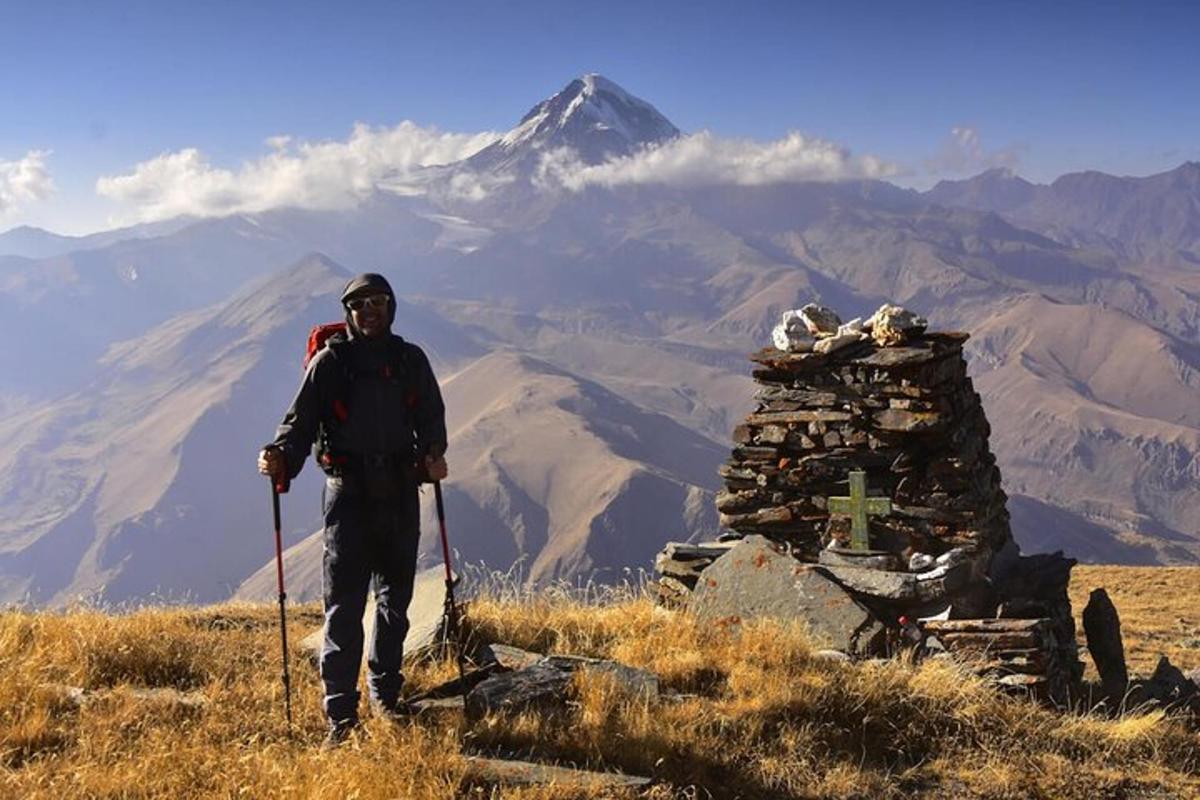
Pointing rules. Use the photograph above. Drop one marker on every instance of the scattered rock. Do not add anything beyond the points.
(635, 681)
(540, 686)
(1169, 687)
(509, 658)
(501, 772)
(459, 686)
(755, 580)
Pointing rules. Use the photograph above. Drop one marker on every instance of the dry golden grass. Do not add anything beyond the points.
(764, 718)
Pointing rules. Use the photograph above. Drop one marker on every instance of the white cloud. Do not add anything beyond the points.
(322, 175)
(963, 152)
(704, 159)
(24, 181)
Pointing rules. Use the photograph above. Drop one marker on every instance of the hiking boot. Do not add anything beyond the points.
(338, 733)
(395, 711)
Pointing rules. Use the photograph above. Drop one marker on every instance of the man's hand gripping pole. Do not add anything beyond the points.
(279, 485)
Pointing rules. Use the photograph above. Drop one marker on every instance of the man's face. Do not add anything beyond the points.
(369, 313)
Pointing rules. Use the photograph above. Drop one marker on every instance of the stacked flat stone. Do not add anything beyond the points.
(906, 414)
(679, 565)
(1021, 656)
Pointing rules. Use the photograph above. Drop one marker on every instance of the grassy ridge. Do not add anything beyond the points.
(766, 719)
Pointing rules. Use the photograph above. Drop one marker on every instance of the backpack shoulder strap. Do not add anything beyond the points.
(407, 361)
(339, 346)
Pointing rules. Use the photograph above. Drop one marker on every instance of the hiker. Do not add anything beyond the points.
(370, 403)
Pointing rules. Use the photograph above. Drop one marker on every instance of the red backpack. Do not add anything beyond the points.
(318, 336)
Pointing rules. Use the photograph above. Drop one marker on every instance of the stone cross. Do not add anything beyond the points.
(859, 506)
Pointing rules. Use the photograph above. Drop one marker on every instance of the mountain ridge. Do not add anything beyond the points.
(626, 313)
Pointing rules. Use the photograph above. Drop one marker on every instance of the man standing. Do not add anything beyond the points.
(371, 405)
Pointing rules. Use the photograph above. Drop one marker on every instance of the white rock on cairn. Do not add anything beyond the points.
(893, 325)
(847, 334)
(820, 320)
(791, 334)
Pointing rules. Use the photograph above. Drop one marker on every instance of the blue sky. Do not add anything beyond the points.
(95, 89)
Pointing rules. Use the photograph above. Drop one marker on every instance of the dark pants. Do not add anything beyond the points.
(366, 541)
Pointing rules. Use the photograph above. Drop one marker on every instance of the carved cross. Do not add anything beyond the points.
(858, 506)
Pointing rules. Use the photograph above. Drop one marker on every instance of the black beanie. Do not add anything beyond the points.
(370, 283)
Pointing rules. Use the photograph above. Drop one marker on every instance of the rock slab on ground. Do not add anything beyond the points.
(539, 686)
(754, 579)
(502, 772)
(635, 681)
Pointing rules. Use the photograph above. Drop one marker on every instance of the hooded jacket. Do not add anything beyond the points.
(393, 403)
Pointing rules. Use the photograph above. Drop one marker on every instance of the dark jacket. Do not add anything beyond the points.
(394, 417)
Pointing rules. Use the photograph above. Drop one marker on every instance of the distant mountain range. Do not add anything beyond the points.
(29, 242)
(1153, 221)
(591, 344)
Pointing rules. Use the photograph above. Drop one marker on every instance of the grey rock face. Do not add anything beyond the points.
(756, 580)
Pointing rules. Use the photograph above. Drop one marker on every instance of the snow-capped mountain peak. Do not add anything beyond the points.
(591, 115)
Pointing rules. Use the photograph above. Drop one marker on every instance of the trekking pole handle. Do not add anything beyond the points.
(280, 482)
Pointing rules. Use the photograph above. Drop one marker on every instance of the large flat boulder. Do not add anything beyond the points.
(754, 579)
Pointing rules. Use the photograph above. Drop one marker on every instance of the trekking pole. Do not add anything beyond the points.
(277, 488)
(452, 620)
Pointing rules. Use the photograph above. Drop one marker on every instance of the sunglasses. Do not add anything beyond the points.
(376, 301)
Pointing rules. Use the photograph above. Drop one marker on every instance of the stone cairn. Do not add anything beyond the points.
(867, 454)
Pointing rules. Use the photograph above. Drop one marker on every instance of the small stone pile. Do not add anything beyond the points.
(1023, 656)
